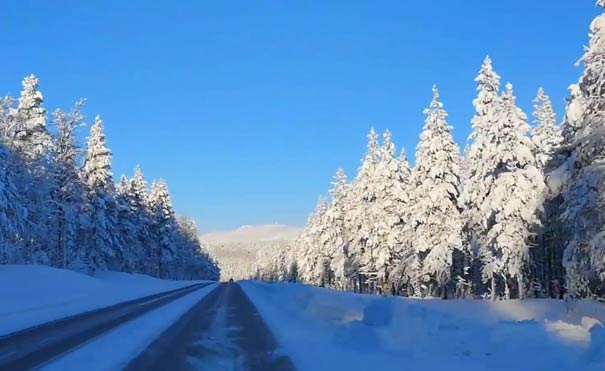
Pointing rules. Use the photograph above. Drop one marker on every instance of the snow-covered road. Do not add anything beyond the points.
(257, 326)
(222, 332)
(63, 320)
(37, 345)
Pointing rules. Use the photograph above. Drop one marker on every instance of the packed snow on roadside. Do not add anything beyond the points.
(325, 330)
(35, 294)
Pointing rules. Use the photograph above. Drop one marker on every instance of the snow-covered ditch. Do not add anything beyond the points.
(325, 330)
(33, 294)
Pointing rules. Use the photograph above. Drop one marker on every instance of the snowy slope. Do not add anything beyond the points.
(327, 330)
(236, 250)
(35, 294)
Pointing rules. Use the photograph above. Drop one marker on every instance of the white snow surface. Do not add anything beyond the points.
(36, 294)
(114, 350)
(327, 330)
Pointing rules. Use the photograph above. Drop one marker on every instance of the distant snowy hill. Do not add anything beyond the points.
(236, 250)
(253, 233)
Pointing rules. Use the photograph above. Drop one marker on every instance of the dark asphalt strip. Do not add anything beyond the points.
(32, 347)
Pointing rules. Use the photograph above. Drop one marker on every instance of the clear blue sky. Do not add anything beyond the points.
(247, 108)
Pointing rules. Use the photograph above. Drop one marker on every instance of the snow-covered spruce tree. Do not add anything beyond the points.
(105, 250)
(13, 213)
(271, 264)
(584, 256)
(28, 135)
(392, 198)
(546, 134)
(308, 252)
(475, 167)
(547, 139)
(291, 262)
(280, 264)
(563, 160)
(67, 193)
(267, 265)
(28, 138)
(401, 239)
(195, 262)
(133, 254)
(486, 106)
(337, 233)
(164, 228)
(436, 219)
(364, 217)
(141, 218)
(6, 119)
(313, 243)
(559, 173)
(513, 197)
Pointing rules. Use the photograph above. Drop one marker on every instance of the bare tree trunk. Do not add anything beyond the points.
(493, 282)
(521, 285)
(506, 289)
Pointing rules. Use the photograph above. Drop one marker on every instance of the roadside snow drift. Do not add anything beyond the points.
(35, 294)
(327, 330)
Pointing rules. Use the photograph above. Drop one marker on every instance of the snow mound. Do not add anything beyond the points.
(327, 330)
(327, 308)
(597, 344)
(378, 313)
(357, 337)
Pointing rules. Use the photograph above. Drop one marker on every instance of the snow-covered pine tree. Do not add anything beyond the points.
(13, 213)
(133, 254)
(105, 250)
(281, 264)
(435, 213)
(312, 242)
(546, 134)
(6, 119)
(547, 140)
(393, 176)
(141, 218)
(164, 228)
(401, 239)
(28, 138)
(28, 135)
(338, 235)
(474, 188)
(67, 192)
(292, 263)
(486, 105)
(196, 263)
(513, 189)
(364, 217)
(555, 233)
(584, 256)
